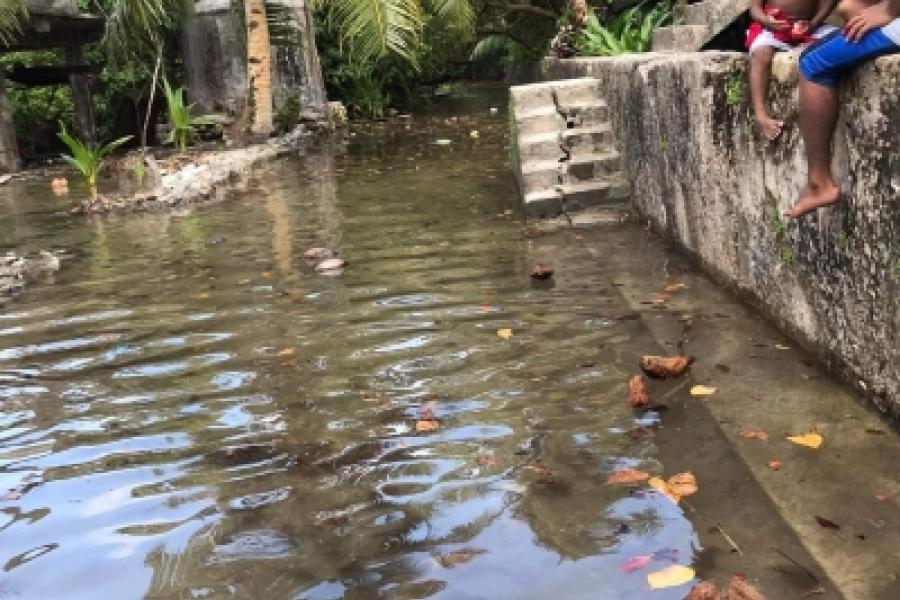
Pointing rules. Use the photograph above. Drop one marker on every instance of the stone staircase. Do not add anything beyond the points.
(565, 155)
(702, 21)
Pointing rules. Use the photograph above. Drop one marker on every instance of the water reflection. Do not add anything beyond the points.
(199, 415)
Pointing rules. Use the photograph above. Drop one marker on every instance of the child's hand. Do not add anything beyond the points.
(802, 28)
(773, 24)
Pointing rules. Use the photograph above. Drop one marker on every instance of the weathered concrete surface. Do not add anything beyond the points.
(702, 21)
(198, 179)
(705, 179)
(9, 150)
(16, 271)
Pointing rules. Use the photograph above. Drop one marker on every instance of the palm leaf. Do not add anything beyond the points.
(13, 14)
(377, 28)
(137, 27)
(457, 15)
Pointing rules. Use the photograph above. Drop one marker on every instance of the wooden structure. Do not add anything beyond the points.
(51, 24)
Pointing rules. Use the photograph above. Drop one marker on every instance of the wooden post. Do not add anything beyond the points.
(9, 146)
(81, 96)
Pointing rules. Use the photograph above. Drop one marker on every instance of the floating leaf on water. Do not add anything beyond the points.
(627, 476)
(428, 425)
(635, 563)
(706, 590)
(319, 253)
(662, 367)
(286, 352)
(670, 577)
(443, 142)
(541, 271)
(881, 497)
(202, 296)
(12, 495)
(637, 392)
(243, 282)
(774, 464)
(677, 487)
(753, 434)
(739, 589)
(458, 557)
(673, 287)
(702, 390)
(782, 347)
(670, 554)
(331, 264)
(827, 523)
(486, 460)
(505, 333)
(474, 134)
(810, 439)
(544, 473)
(265, 274)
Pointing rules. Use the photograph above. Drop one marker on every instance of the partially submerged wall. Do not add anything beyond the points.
(707, 180)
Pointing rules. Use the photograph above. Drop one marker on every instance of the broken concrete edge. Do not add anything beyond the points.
(207, 178)
(17, 271)
(704, 179)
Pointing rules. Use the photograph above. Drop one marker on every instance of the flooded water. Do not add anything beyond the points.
(190, 411)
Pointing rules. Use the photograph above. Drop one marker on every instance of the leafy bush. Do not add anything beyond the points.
(88, 159)
(629, 31)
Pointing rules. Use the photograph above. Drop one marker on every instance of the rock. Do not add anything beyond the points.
(319, 253)
(541, 271)
(637, 392)
(330, 264)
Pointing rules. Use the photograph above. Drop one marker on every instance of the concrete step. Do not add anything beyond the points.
(539, 146)
(541, 175)
(544, 119)
(543, 204)
(680, 38)
(590, 166)
(588, 140)
(715, 14)
(580, 196)
(587, 114)
(571, 93)
(535, 96)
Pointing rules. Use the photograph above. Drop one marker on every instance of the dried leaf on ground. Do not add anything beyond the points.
(505, 333)
(670, 577)
(428, 425)
(810, 439)
(827, 523)
(637, 392)
(677, 487)
(665, 367)
(774, 464)
(635, 563)
(458, 557)
(702, 390)
(627, 476)
(753, 434)
(706, 590)
(739, 589)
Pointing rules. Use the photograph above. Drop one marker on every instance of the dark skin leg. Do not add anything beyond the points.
(760, 68)
(818, 118)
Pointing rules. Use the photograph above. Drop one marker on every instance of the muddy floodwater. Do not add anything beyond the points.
(189, 411)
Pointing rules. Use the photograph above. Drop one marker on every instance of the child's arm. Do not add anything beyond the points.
(759, 15)
(873, 17)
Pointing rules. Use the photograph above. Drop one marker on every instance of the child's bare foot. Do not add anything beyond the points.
(812, 198)
(770, 127)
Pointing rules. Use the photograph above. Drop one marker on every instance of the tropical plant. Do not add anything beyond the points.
(88, 159)
(629, 31)
(184, 125)
(12, 15)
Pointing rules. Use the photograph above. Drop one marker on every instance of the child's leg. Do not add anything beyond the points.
(760, 68)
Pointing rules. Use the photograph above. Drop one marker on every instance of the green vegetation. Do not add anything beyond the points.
(734, 89)
(184, 126)
(12, 13)
(88, 159)
(629, 31)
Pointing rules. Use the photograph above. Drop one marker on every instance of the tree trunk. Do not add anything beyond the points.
(259, 67)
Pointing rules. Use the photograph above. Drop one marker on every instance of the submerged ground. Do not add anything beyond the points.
(189, 411)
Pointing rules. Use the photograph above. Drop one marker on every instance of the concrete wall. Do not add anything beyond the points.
(704, 178)
(9, 150)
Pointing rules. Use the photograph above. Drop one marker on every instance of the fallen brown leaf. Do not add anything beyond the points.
(428, 425)
(627, 476)
(827, 523)
(706, 590)
(774, 464)
(678, 486)
(753, 434)
(662, 367)
(739, 589)
(637, 392)
(458, 557)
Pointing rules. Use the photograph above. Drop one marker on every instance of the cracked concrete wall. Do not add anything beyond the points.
(704, 178)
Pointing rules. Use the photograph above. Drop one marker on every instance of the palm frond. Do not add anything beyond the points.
(12, 14)
(136, 27)
(377, 28)
(457, 15)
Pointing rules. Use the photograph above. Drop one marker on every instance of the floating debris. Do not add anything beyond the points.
(541, 271)
(330, 264)
(319, 253)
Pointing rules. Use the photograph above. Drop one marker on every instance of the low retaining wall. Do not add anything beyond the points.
(705, 179)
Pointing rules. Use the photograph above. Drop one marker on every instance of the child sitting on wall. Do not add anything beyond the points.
(779, 25)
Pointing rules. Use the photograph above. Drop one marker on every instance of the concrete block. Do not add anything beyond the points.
(588, 140)
(544, 205)
(680, 38)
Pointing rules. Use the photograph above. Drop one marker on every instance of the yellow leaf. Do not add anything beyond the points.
(670, 577)
(810, 440)
(702, 390)
(505, 333)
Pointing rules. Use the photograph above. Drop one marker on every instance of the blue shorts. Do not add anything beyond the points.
(828, 60)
